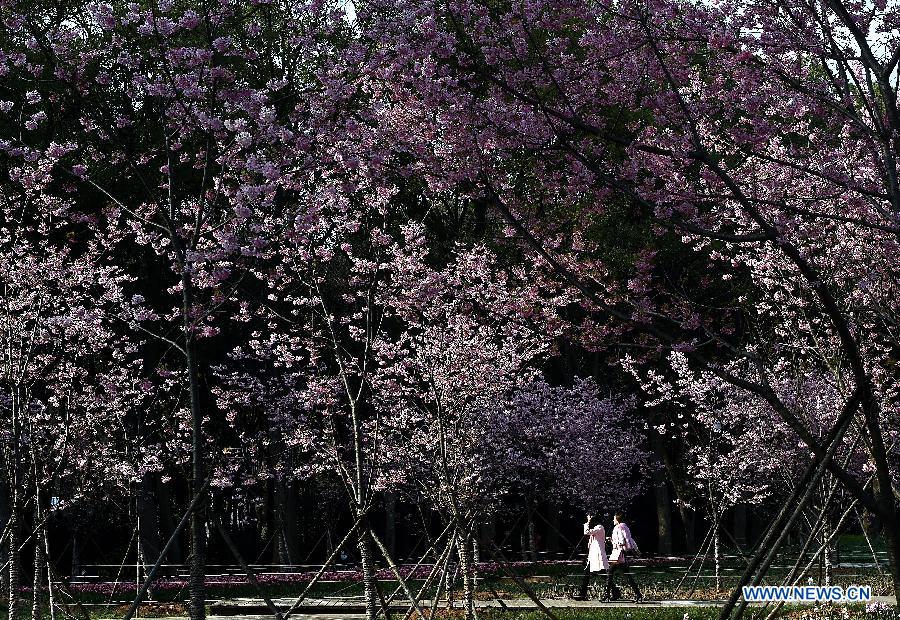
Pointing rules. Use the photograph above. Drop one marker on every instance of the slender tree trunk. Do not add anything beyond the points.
(4, 521)
(476, 559)
(464, 547)
(716, 555)
(286, 519)
(523, 542)
(13, 538)
(367, 563)
(51, 597)
(263, 519)
(532, 535)
(38, 579)
(827, 551)
(76, 552)
(197, 578)
(13, 542)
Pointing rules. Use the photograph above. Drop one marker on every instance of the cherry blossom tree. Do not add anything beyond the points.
(572, 445)
(385, 371)
(740, 453)
(471, 334)
(188, 127)
(69, 382)
(312, 355)
(758, 137)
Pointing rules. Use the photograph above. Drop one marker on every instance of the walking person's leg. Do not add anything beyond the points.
(607, 591)
(607, 584)
(582, 592)
(634, 587)
(612, 592)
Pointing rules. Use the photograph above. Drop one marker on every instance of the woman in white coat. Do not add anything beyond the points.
(596, 560)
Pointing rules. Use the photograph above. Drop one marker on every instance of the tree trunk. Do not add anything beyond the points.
(716, 555)
(262, 513)
(488, 531)
(390, 523)
(148, 520)
(891, 531)
(367, 563)
(51, 597)
(38, 571)
(286, 518)
(13, 542)
(197, 578)
(464, 547)
(663, 512)
(4, 553)
(76, 553)
(552, 544)
(740, 525)
(167, 521)
(532, 536)
(690, 539)
(681, 492)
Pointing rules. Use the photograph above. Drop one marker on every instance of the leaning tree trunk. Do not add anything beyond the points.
(367, 563)
(464, 548)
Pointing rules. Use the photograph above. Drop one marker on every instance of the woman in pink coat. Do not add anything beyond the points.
(596, 560)
(623, 545)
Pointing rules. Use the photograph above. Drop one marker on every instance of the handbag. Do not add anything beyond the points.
(616, 556)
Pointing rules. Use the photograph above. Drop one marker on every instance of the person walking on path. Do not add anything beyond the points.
(623, 545)
(596, 560)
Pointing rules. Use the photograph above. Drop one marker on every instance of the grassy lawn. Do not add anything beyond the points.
(546, 581)
(679, 579)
